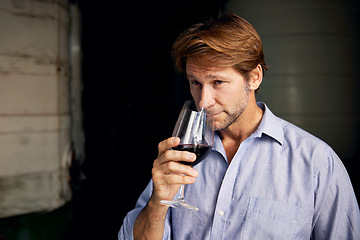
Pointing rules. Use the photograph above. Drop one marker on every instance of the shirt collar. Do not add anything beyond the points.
(218, 146)
(269, 125)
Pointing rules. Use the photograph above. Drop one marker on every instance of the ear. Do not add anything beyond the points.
(256, 76)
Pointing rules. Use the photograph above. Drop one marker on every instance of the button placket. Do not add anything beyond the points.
(226, 193)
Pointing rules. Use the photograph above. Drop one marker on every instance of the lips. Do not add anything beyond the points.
(213, 115)
(211, 112)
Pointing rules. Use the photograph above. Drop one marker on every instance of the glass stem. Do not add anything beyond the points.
(181, 194)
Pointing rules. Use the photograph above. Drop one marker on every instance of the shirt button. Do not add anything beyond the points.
(221, 213)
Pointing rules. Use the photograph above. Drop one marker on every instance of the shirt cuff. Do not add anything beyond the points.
(126, 230)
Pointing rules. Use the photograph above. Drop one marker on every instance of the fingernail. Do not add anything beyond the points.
(194, 173)
(191, 156)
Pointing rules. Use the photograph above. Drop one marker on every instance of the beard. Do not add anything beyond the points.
(233, 114)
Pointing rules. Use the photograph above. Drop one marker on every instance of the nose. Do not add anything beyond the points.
(207, 98)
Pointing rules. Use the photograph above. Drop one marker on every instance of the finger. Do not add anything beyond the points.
(178, 168)
(185, 156)
(171, 179)
(167, 144)
(177, 156)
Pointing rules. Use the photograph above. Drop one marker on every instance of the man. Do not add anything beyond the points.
(264, 178)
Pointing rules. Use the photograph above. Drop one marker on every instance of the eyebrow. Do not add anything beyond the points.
(212, 76)
(189, 75)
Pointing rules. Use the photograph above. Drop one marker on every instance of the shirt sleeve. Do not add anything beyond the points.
(126, 230)
(337, 213)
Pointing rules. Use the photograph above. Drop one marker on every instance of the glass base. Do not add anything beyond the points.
(179, 204)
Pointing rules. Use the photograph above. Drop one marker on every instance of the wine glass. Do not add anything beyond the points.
(196, 133)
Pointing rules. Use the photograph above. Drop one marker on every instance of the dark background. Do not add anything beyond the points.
(131, 99)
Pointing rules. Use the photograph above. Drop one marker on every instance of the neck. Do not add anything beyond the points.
(242, 128)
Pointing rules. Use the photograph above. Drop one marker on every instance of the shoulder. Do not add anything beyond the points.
(309, 147)
(296, 135)
(299, 146)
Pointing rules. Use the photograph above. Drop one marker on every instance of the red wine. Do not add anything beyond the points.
(199, 149)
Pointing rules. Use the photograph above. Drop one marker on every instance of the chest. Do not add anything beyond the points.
(255, 197)
(231, 148)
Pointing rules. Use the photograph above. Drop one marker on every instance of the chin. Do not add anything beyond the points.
(218, 126)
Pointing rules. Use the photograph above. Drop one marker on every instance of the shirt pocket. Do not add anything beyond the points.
(268, 219)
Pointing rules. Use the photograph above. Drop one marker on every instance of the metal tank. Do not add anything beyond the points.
(34, 106)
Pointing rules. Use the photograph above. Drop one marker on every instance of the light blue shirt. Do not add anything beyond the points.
(283, 183)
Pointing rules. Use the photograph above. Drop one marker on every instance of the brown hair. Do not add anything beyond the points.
(228, 41)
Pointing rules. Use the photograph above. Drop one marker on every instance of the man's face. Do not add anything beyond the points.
(223, 92)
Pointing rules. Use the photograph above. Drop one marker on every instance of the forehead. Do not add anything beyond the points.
(202, 64)
(196, 69)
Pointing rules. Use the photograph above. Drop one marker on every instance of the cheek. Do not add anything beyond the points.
(232, 96)
(195, 94)
(226, 97)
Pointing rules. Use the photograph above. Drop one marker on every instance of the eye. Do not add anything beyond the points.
(194, 83)
(218, 82)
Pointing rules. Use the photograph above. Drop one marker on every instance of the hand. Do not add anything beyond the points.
(168, 174)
